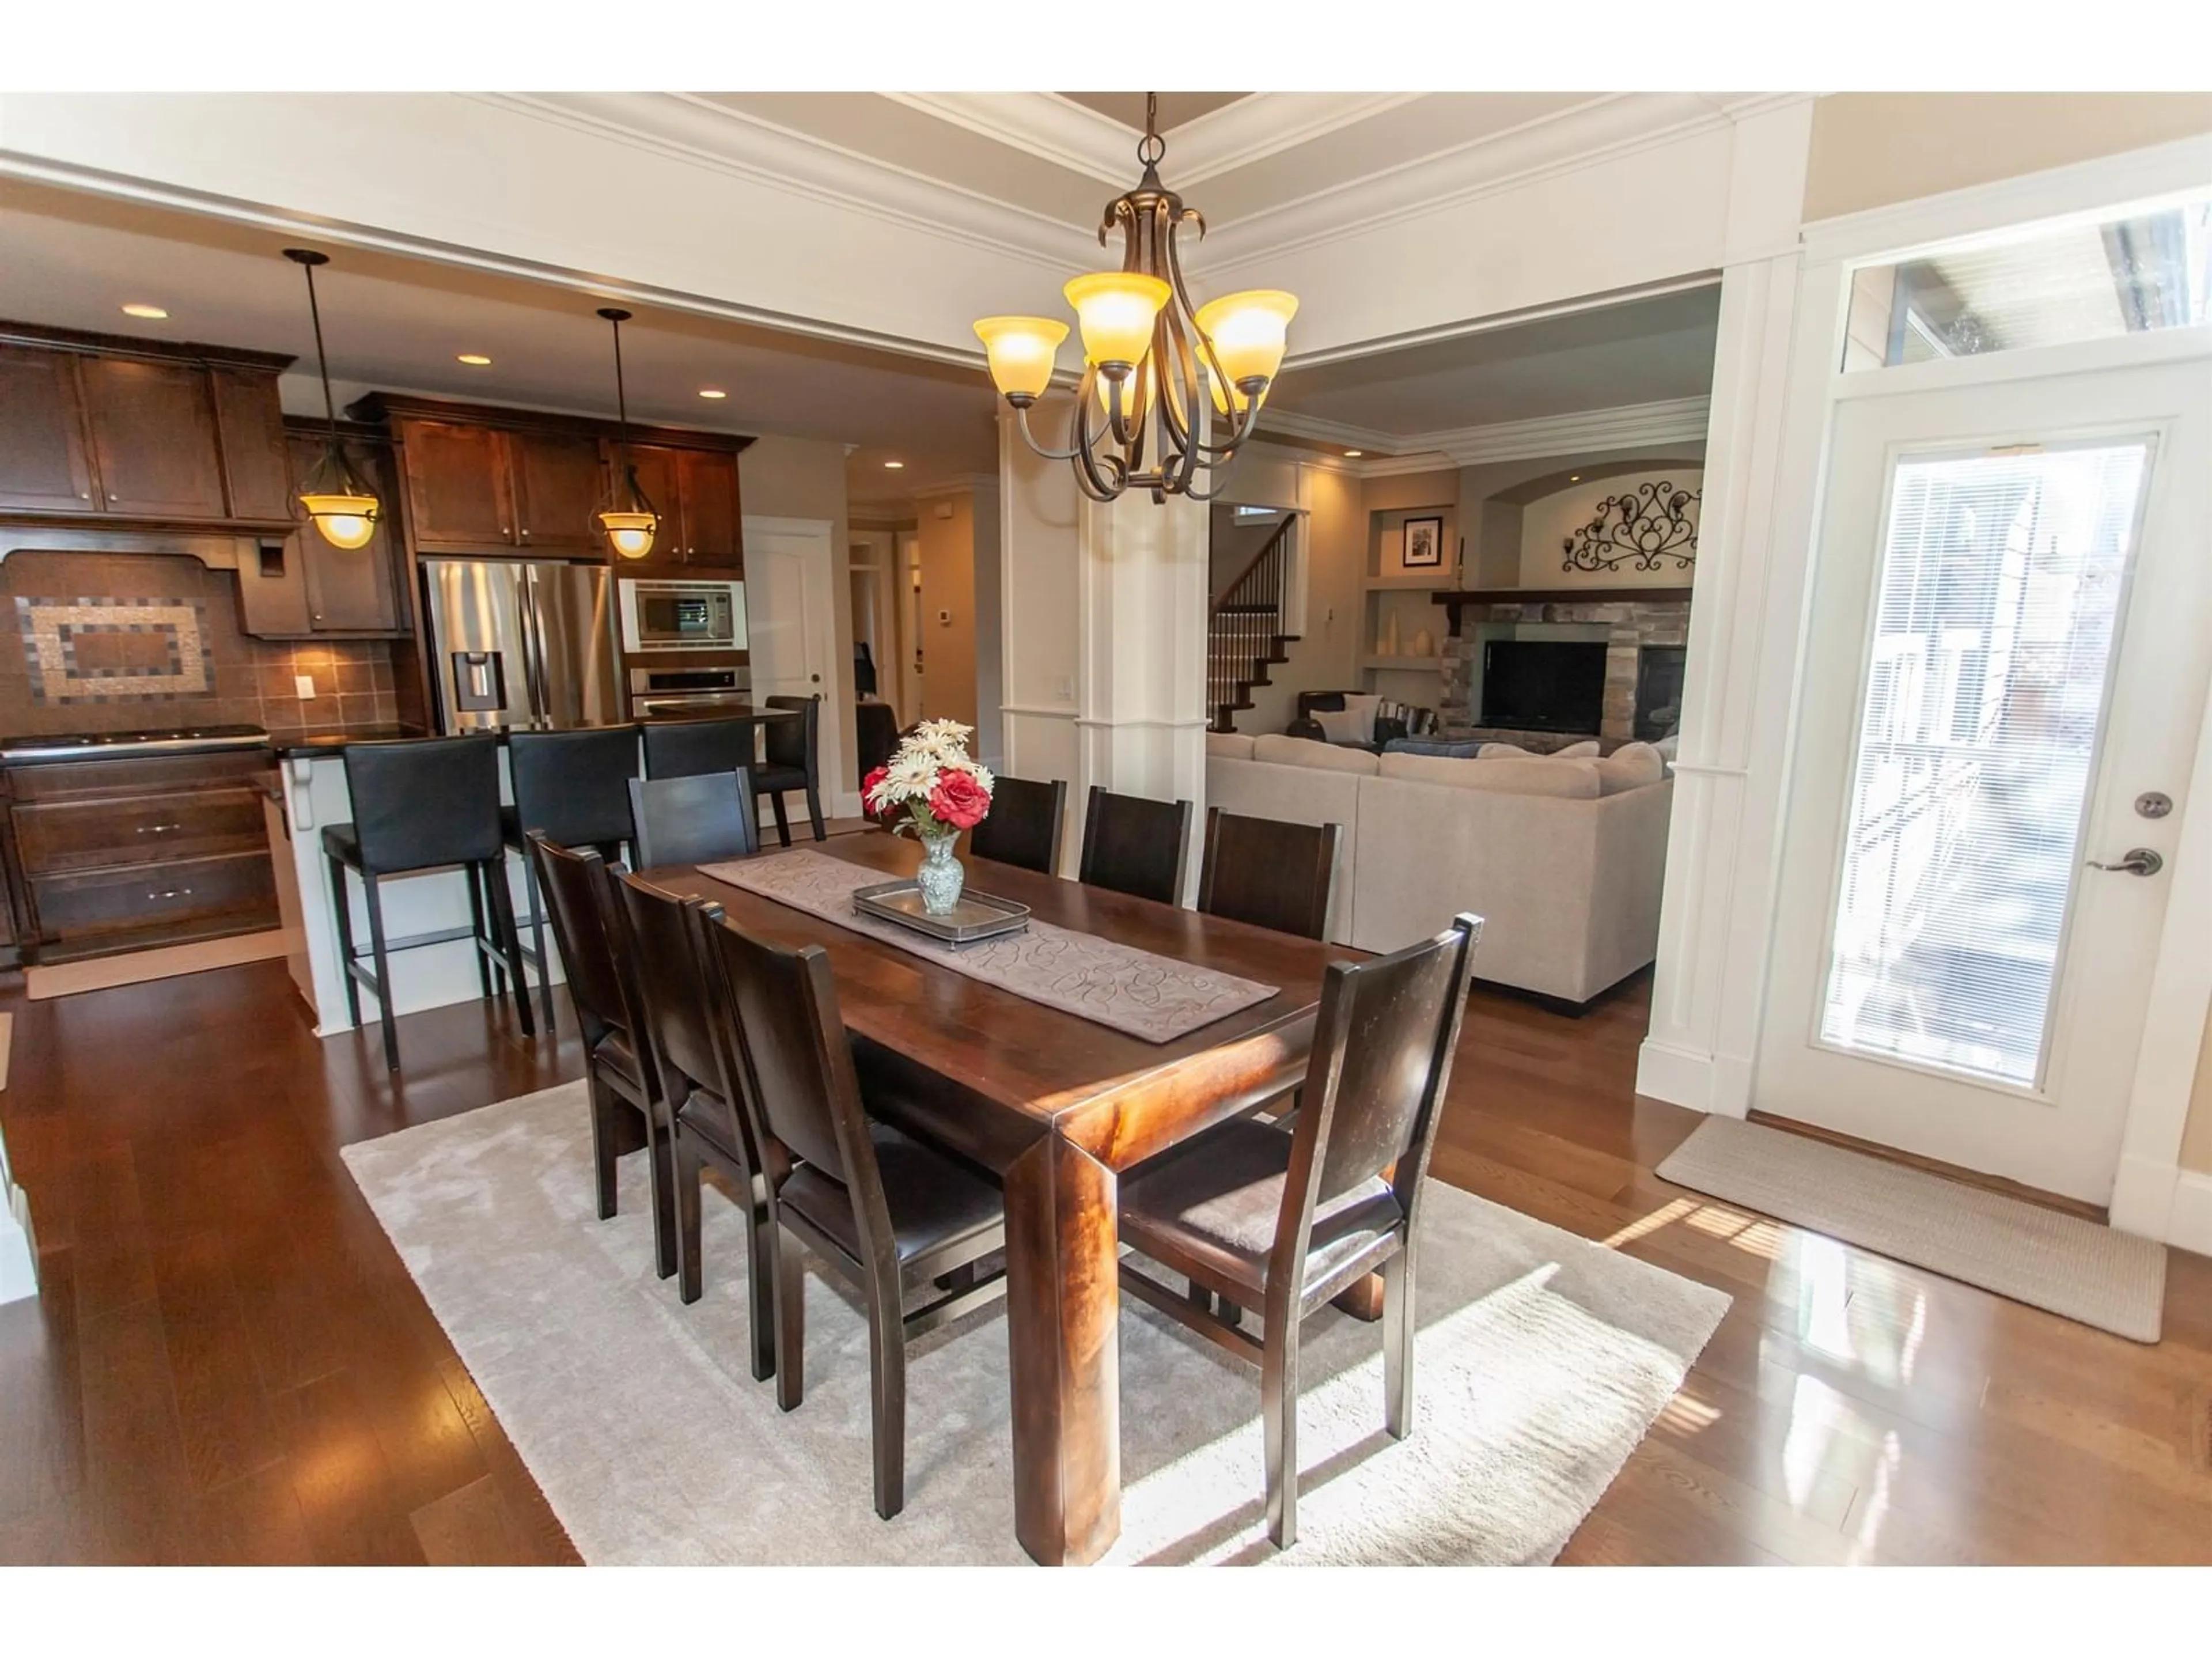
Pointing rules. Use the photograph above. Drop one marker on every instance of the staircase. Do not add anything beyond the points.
(1244, 633)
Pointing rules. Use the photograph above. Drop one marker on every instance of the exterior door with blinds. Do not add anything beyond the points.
(2010, 643)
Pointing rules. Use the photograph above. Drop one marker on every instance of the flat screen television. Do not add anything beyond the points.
(1544, 686)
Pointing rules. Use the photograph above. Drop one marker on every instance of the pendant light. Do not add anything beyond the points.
(628, 518)
(337, 502)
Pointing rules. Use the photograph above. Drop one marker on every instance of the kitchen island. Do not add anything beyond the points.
(433, 905)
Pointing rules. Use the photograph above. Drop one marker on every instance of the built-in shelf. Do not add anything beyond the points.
(1405, 665)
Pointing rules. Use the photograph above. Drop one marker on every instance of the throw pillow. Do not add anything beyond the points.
(1366, 705)
(1467, 751)
(1503, 751)
(1346, 724)
(1630, 767)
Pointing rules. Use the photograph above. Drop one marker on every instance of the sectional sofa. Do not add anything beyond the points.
(1562, 859)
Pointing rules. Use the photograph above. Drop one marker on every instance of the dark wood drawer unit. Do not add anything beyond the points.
(95, 911)
(90, 835)
(119, 854)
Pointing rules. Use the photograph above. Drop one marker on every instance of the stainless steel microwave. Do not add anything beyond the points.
(681, 616)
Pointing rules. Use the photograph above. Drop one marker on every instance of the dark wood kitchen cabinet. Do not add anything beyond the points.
(302, 588)
(483, 480)
(695, 491)
(45, 464)
(122, 854)
(154, 442)
(138, 431)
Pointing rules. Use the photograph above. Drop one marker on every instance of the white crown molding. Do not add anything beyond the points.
(704, 133)
(1040, 123)
(1264, 124)
(1629, 426)
(1604, 129)
(960, 484)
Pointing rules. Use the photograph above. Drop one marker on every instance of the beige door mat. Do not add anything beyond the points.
(2114, 1281)
(65, 978)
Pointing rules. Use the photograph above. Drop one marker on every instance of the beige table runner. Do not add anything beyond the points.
(1154, 998)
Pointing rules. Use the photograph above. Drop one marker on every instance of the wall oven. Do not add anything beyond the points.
(681, 616)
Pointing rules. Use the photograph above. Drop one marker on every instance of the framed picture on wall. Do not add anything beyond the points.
(1424, 543)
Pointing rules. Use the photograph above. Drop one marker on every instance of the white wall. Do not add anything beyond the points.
(1549, 520)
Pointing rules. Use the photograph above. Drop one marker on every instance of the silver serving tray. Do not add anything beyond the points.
(975, 918)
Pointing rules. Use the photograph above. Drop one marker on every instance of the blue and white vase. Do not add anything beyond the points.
(941, 877)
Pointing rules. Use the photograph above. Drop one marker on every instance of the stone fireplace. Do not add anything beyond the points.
(1637, 692)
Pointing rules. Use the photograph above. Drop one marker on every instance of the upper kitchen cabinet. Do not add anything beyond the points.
(105, 426)
(483, 480)
(558, 481)
(302, 588)
(458, 491)
(45, 462)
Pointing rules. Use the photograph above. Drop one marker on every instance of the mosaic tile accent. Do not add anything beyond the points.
(112, 650)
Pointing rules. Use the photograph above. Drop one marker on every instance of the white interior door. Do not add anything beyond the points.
(791, 623)
(2008, 653)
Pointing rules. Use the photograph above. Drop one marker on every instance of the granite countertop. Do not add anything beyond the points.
(325, 741)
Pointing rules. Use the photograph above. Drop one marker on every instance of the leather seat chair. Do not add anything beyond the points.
(582, 897)
(792, 760)
(684, 749)
(702, 819)
(875, 737)
(903, 1223)
(574, 788)
(423, 804)
(1286, 1222)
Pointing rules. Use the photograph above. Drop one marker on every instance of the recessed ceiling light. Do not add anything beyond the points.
(1574, 477)
(474, 360)
(895, 465)
(139, 308)
(712, 392)
(1354, 454)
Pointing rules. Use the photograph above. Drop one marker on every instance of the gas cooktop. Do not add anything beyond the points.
(77, 745)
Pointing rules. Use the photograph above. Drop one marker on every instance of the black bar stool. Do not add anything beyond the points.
(792, 760)
(424, 804)
(573, 788)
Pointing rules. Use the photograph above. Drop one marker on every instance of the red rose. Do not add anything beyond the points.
(868, 788)
(959, 800)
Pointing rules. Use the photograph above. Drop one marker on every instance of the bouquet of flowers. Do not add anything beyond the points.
(931, 788)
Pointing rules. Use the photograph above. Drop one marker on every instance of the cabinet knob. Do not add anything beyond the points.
(84, 494)
(526, 534)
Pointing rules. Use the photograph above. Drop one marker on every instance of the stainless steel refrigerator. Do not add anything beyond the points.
(518, 644)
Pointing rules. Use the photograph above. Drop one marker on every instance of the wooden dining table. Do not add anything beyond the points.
(1057, 1106)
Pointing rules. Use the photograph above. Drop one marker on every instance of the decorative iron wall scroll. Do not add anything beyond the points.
(1637, 531)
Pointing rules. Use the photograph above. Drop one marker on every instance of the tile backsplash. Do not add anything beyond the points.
(119, 642)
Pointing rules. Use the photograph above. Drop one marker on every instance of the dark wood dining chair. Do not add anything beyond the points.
(903, 1222)
(1136, 846)
(584, 907)
(875, 737)
(1269, 873)
(792, 750)
(685, 749)
(693, 820)
(684, 1025)
(1285, 1223)
(1023, 827)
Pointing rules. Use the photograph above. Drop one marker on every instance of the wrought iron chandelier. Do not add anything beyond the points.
(1145, 350)
(336, 498)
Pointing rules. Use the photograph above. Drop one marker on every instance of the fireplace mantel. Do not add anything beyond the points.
(1457, 599)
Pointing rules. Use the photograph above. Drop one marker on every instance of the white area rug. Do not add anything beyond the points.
(2061, 1263)
(1540, 1362)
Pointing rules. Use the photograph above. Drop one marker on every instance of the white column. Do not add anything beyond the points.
(19, 1262)
(1104, 635)
(1747, 621)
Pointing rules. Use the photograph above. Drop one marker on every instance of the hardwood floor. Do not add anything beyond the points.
(230, 1363)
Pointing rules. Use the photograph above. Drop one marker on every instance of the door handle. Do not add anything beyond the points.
(2140, 861)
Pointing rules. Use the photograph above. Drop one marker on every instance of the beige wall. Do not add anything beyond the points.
(1872, 148)
(798, 478)
(948, 584)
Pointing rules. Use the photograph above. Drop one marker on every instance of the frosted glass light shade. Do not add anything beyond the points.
(1021, 351)
(344, 521)
(630, 533)
(1250, 331)
(1116, 309)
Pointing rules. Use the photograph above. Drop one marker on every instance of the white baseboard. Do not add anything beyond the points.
(19, 1255)
(2189, 1227)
